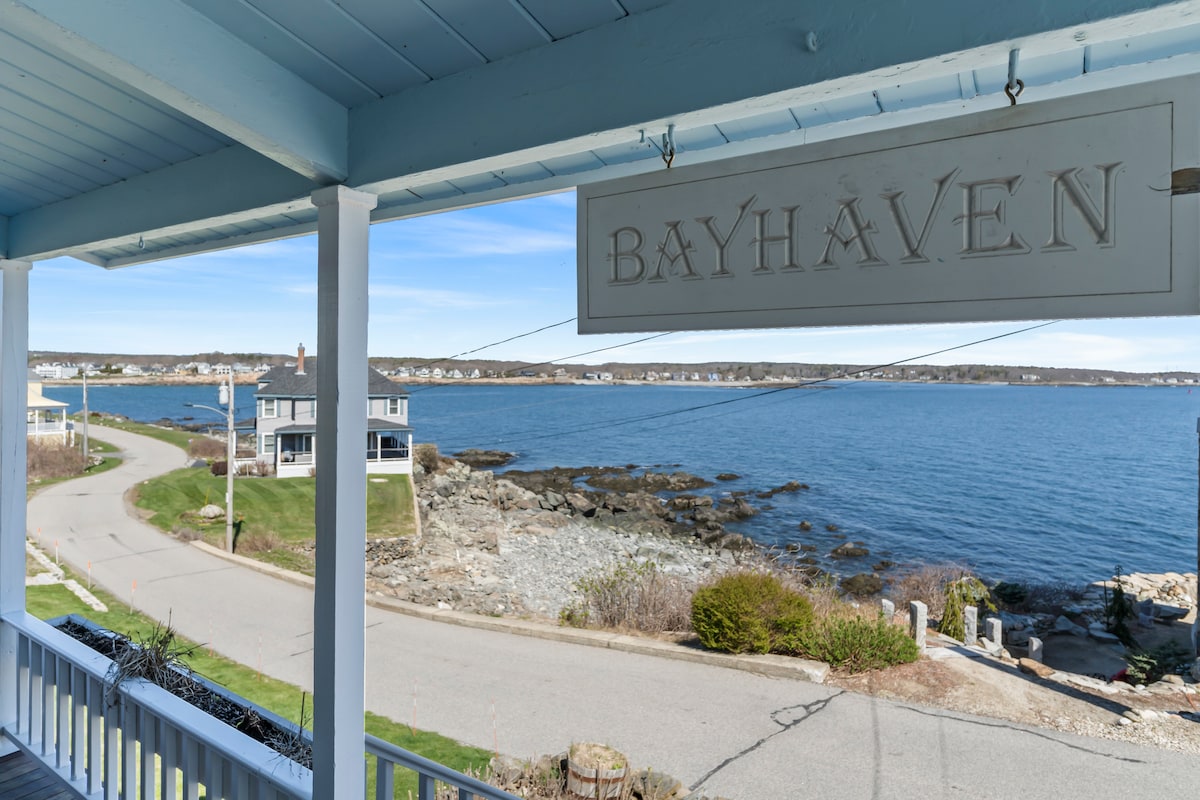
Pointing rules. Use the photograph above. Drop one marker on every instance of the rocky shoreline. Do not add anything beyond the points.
(489, 545)
(517, 543)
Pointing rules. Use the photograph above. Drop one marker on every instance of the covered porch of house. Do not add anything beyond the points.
(46, 418)
(155, 129)
(389, 449)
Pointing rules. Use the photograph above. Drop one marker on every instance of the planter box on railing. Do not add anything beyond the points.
(243, 715)
(145, 738)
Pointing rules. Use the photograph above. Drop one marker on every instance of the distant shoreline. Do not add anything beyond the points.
(252, 379)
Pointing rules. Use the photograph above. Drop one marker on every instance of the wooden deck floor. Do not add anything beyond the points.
(23, 778)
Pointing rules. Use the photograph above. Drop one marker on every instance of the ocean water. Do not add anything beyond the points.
(1014, 481)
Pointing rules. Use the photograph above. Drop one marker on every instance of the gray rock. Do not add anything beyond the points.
(1096, 631)
(1064, 625)
(211, 511)
(849, 550)
(581, 505)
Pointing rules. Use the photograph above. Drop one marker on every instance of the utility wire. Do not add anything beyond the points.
(551, 361)
(494, 344)
(768, 392)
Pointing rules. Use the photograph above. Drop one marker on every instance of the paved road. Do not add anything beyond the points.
(728, 732)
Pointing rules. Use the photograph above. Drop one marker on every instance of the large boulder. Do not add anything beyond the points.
(850, 550)
(862, 585)
(580, 504)
(474, 457)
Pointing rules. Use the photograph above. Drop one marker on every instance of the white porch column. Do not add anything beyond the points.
(338, 660)
(14, 364)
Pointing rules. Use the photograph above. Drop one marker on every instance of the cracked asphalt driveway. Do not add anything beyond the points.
(725, 732)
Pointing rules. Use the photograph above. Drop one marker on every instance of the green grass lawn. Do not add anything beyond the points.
(169, 435)
(277, 513)
(47, 602)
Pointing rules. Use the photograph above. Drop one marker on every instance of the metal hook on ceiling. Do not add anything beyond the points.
(667, 149)
(1015, 85)
(141, 243)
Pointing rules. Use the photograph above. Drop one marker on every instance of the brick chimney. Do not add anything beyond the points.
(300, 359)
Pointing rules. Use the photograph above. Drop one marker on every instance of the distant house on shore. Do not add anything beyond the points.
(286, 421)
(56, 371)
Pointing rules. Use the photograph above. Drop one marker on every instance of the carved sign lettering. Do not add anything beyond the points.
(697, 249)
(1064, 210)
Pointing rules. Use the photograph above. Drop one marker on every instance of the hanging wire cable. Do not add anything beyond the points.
(494, 344)
(553, 360)
(766, 393)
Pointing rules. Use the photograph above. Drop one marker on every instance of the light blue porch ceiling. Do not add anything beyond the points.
(136, 130)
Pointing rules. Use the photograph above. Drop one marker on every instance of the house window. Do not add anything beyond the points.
(395, 406)
(268, 444)
(270, 408)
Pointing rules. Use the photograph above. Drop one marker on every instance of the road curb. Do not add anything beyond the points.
(768, 665)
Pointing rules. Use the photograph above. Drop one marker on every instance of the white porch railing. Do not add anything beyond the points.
(429, 774)
(48, 427)
(149, 744)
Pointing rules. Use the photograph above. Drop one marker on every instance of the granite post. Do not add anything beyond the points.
(970, 625)
(918, 620)
(995, 631)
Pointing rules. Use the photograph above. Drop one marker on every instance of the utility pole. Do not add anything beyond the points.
(85, 420)
(225, 398)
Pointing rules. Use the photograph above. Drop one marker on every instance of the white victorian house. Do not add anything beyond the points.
(286, 421)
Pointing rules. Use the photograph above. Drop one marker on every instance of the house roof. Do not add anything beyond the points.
(376, 425)
(149, 129)
(286, 382)
(35, 400)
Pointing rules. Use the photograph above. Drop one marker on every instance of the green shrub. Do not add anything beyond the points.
(750, 612)
(1151, 665)
(1118, 609)
(855, 644)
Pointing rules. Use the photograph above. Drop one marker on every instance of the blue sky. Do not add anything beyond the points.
(453, 282)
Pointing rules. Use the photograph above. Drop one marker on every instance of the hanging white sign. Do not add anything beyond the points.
(1042, 210)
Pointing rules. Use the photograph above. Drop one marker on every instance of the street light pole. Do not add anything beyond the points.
(225, 398)
(229, 467)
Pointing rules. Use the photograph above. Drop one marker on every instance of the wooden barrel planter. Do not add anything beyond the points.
(595, 772)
